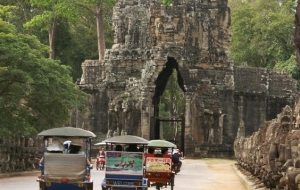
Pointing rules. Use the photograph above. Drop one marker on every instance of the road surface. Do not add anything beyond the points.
(195, 174)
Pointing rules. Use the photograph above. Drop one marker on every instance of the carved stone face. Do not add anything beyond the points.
(165, 29)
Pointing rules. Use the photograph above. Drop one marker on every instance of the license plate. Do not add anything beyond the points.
(156, 175)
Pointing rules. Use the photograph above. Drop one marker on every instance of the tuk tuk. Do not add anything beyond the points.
(159, 171)
(66, 163)
(124, 163)
(100, 161)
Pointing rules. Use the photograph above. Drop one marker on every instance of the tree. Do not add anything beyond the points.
(98, 12)
(36, 93)
(262, 31)
(20, 12)
(49, 12)
(290, 67)
(172, 104)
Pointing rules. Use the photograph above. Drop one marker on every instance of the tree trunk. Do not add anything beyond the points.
(51, 38)
(100, 32)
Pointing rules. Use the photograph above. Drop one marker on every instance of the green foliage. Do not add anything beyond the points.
(36, 93)
(47, 11)
(172, 104)
(76, 33)
(167, 2)
(290, 67)
(262, 32)
(6, 12)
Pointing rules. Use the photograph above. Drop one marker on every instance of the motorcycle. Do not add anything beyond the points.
(100, 162)
(176, 168)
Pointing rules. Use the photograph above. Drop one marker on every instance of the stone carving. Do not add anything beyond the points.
(19, 154)
(241, 130)
(30, 142)
(115, 133)
(123, 132)
(220, 129)
(148, 71)
(109, 134)
(272, 153)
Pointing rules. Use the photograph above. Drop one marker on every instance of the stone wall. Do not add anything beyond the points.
(272, 153)
(191, 37)
(19, 154)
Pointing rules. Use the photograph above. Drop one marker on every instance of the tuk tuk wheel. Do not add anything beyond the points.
(101, 166)
(157, 186)
(172, 183)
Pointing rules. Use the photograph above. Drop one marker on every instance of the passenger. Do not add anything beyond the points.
(66, 146)
(141, 149)
(165, 153)
(150, 152)
(132, 148)
(118, 148)
(76, 149)
(101, 152)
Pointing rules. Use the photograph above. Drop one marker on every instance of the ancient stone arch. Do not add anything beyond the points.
(193, 37)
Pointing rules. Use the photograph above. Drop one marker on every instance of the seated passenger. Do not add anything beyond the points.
(132, 148)
(150, 152)
(118, 148)
(76, 149)
(165, 153)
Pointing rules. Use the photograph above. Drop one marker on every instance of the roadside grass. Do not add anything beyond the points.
(217, 161)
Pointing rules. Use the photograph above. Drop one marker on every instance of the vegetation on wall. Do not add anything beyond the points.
(167, 2)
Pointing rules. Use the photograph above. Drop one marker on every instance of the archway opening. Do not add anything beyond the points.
(169, 104)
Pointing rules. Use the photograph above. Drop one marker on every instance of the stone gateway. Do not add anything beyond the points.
(192, 38)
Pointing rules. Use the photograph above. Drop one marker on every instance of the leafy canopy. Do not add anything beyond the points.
(36, 93)
(262, 31)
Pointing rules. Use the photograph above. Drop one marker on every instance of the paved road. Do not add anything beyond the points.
(203, 174)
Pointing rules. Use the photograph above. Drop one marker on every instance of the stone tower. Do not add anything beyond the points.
(191, 36)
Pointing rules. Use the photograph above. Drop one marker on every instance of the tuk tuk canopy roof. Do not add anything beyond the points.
(101, 143)
(126, 139)
(67, 132)
(161, 144)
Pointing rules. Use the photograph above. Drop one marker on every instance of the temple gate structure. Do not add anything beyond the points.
(192, 38)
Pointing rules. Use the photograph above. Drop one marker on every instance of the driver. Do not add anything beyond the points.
(176, 158)
(101, 152)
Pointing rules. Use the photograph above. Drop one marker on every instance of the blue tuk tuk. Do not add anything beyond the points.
(66, 162)
(125, 163)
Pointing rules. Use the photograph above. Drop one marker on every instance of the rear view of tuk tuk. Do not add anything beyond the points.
(124, 168)
(159, 171)
(65, 163)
